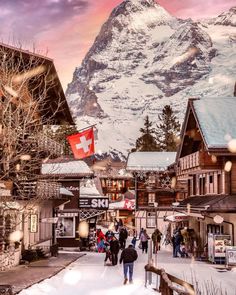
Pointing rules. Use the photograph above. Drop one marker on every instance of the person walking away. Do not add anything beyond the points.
(108, 252)
(156, 239)
(128, 256)
(114, 247)
(141, 231)
(101, 246)
(122, 237)
(144, 240)
(133, 242)
(109, 234)
(178, 241)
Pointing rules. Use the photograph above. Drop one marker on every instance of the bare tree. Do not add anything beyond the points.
(29, 101)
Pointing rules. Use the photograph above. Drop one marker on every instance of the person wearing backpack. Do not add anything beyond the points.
(156, 239)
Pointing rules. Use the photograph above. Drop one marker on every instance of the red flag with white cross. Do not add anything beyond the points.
(82, 143)
(129, 204)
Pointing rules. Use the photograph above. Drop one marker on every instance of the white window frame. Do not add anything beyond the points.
(151, 220)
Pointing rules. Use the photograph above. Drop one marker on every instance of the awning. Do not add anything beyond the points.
(66, 192)
(176, 217)
(210, 203)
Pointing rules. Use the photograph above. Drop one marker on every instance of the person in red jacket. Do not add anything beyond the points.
(128, 256)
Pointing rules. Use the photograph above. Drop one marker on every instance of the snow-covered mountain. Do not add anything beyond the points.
(144, 58)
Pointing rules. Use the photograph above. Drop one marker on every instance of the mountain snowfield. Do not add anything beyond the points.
(144, 58)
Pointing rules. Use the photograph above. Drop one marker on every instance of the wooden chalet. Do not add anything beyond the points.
(153, 187)
(206, 167)
(86, 202)
(26, 206)
(115, 184)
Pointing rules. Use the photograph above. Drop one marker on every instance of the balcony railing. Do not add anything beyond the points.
(46, 144)
(198, 159)
(190, 161)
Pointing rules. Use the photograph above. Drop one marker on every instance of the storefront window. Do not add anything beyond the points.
(65, 227)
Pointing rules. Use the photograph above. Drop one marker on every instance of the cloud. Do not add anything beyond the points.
(28, 17)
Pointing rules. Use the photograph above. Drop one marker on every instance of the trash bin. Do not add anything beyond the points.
(6, 290)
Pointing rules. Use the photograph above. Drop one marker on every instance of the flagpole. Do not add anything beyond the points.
(86, 127)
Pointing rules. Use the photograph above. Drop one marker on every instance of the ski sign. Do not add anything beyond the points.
(94, 203)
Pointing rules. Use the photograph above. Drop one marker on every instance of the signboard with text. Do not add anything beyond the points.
(33, 223)
(94, 203)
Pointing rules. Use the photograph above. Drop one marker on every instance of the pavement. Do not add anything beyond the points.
(24, 276)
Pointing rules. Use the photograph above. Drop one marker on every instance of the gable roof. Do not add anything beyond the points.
(71, 168)
(55, 98)
(150, 161)
(216, 119)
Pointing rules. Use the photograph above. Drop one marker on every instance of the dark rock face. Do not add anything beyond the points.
(227, 18)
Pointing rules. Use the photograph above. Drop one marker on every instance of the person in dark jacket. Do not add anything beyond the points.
(128, 256)
(178, 240)
(122, 237)
(114, 248)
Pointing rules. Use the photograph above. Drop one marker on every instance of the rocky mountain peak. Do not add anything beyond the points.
(227, 18)
(143, 59)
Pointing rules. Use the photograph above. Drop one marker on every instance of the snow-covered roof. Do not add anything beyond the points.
(64, 191)
(66, 168)
(88, 189)
(150, 161)
(216, 117)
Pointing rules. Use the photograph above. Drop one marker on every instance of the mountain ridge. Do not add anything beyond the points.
(137, 64)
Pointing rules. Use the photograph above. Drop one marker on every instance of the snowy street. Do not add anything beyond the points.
(89, 276)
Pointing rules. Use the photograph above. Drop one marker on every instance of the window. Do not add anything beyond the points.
(211, 179)
(65, 227)
(151, 219)
(109, 183)
(151, 179)
(151, 198)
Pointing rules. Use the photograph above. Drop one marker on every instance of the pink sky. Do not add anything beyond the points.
(67, 28)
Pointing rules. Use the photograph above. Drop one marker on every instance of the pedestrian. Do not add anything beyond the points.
(101, 245)
(141, 231)
(144, 240)
(109, 234)
(178, 240)
(128, 256)
(108, 252)
(133, 242)
(183, 250)
(122, 237)
(156, 239)
(114, 247)
(116, 225)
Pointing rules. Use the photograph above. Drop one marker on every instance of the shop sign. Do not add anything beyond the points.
(49, 220)
(94, 203)
(67, 214)
(33, 223)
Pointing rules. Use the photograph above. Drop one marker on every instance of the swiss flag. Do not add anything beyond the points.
(129, 204)
(82, 143)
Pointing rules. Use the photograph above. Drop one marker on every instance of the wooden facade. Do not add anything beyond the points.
(206, 172)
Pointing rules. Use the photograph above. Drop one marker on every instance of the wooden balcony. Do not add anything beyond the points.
(41, 189)
(196, 160)
(47, 145)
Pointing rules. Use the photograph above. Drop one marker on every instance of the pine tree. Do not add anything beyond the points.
(146, 142)
(167, 130)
